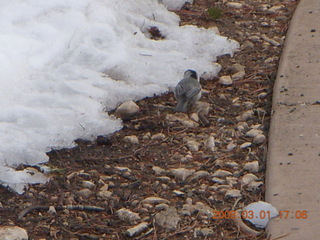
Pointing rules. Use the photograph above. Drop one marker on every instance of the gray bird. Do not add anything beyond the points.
(188, 91)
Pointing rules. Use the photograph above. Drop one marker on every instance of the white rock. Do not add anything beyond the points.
(231, 146)
(219, 163)
(147, 206)
(218, 180)
(276, 8)
(164, 179)
(127, 215)
(203, 209)
(158, 170)
(237, 68)
(252, 167)
(88, 184)
(199, 175)
(13, 233)
(131, 232)
(146, 136)
(238, 76)
(204, 232)
(254, 38)
(183, 119)
(182, 173)
(202, 108)
(234, 5)
(168, 219)
(209, 144)
(220, 188)
(221, 173)
(193, 145)
(262, 95)
(245, 145)
(242, 127)
(247, 45)
(253, 132)
(104, 193)
(248, 105)
(52, 210)
(262, 213)
(131, 139)
(122, 169)
(154, 200)
(264, 7)
(248, 178)
(232, 180)
(161, 206)
(233, 193)
(84, 193)
(254, 185)
(127, 110)
(158, 136)
(232, 164)
(259, 139)
(245, 116)
(194, 117)
(72, 175)
(225, 80)
(270, 40)
(178, 193)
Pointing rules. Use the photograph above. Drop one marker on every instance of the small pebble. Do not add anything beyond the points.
(221, 173)
(154, 200)
(233, 193)
(248, 178)
(158, 170)
(254, 185)
(245, 116)
(231, 146)
(209, 144)
(238, 76)
(234, 5)
(178, 193)
(247, 45)
(127, 215)
(126, 110)
(259, 139)
(84, 193)
(252, 167)
(131, 139)
(225, 80)
(193, 146)
(245, 145)
(131, 232)
(253, 132)
(161, 206)
(182, 173)
(158, 136)
(218, 180)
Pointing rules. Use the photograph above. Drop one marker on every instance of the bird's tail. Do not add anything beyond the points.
(182, 106)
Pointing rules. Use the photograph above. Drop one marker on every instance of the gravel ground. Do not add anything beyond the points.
(165, 175)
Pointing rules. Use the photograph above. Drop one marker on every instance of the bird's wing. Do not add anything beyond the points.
(180, 89)
(193, 92)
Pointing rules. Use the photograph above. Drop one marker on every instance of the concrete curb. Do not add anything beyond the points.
(293, 167)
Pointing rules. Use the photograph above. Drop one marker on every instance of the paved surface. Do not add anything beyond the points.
(293, 168)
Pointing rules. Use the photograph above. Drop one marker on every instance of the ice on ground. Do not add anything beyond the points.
(174, 4)
(260, 213)
(64, 63)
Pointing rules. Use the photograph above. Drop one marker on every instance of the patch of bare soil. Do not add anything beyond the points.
(177, 167)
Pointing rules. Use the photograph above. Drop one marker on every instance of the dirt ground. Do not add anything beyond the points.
(128, 170)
